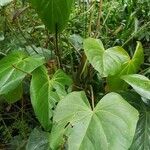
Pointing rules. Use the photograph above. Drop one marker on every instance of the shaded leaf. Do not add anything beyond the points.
(54, 13)
(38, 140)
(14, 95)
(141, 139)
(45, 92)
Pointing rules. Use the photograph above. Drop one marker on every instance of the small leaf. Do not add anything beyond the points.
(111, 125)
(38, 140)
(140, 84)
(14, 68)
(54, 13)
(106, 62)
(45, 92)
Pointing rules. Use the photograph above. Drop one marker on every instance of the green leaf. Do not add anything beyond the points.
(142, 136)
(110, 126)
(106, 62)
(14, 68)
(14, 95)
(45, 92)
(140, 84)
(38, 140)
(54, 13)
(131, 67)
(4, 2)
(141, 139)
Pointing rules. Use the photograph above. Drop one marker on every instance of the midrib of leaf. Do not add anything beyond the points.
(13, 69)
(102, 129)
(114, 115)
(59, 11)
(14, 63)
(85, 131)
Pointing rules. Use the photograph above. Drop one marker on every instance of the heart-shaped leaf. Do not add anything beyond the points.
(140, 84)
(131, 67)
(110, 126)
(106, 62)
(14, 67)
(45, 92)
(54, 13)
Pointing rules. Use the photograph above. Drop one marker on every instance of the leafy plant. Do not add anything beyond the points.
(72, 118)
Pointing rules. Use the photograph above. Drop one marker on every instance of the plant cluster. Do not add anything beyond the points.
(84, 96)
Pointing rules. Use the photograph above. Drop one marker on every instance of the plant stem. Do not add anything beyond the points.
(57, 52)
(92, 97)
(99, 18)
(135, 33)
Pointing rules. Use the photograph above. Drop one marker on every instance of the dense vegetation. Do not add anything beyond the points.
(74, 74)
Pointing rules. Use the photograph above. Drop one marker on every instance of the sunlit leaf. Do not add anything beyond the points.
(131, 67)
(4, 2)
(106, 62)
(140, 84)
(111, 125)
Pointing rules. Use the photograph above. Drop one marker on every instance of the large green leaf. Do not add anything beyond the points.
(14, 95)
(106, 62)
(131, 67)
(38, 140)
(54, 13)
(110, 126)
(141, 139)
(45, 92)
(140, 84)
(14, 67)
